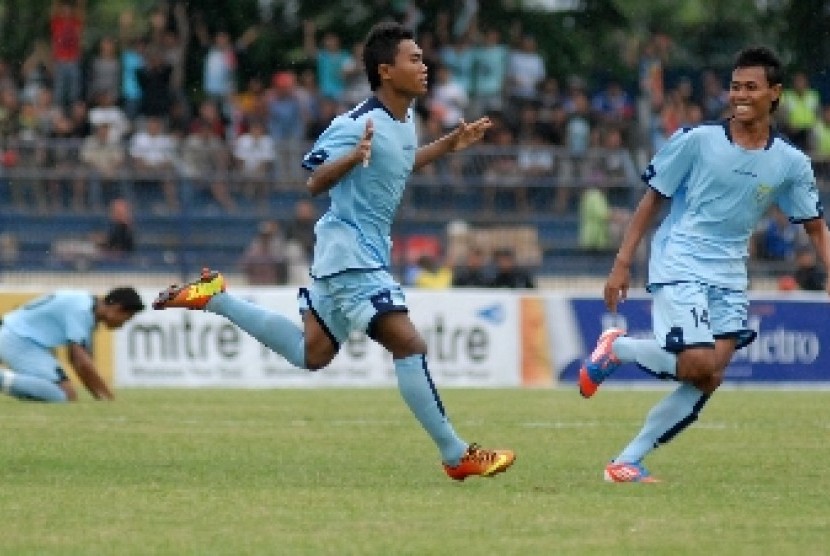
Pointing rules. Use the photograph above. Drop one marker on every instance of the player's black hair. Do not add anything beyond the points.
(765, 57)
(126, 297)
(381, 47)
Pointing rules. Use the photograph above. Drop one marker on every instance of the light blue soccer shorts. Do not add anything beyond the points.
(25, 357)
(690, 314)
(352, 301)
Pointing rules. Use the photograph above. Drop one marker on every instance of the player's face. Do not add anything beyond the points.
(408, 74)
(750, 94)
(115, 316)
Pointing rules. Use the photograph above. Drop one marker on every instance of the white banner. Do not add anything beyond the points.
(472, 337)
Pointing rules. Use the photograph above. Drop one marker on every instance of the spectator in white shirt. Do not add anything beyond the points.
(153, 152)
(254, 155)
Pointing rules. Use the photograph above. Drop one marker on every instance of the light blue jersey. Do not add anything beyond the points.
(354, 234)
(57, 319)
(719, 191)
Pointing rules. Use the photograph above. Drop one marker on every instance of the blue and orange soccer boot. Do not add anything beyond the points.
(601, 364)
(628, 473)
(194, 295)
(480, 462)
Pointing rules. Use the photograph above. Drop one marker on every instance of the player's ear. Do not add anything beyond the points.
(384, 72)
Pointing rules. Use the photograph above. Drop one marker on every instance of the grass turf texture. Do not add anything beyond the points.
(350, 472)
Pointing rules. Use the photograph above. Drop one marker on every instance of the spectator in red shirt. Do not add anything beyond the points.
(67, 28)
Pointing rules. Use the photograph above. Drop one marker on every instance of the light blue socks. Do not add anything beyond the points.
(27, 387)
(419, 393)
(648, 354)
(270, 328)
(669, 417)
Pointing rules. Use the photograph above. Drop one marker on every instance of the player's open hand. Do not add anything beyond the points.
(468, 133)
(364, 147)
(616, 287)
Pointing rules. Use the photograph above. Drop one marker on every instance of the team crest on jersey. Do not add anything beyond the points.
(763, 192)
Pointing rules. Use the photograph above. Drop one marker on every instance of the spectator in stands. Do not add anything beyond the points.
(286, 123)
(715, 98)
(132, 60)
(490, 75)
(249, 105)
(36, 71)
(205, 163)
(572, 169)
(525, 71)
(254, 153)
(502, 170)
(819, 143)
(448, 99)
(209, 117)
(173, 45)
(264, 262)
(508, 274)
(313, 103)
(154, 79)
(118, 242)
(613, 106)
(102, 161)
(330, 58)
(219, 73)
(355, 87)
(458, 56)
(153, 153)
(300, 229)
(430, 273)
(105, 110)
(474, 272)
(105, 71)
(801, 106)
(9, 114)
(67, 31)
(60, 161)
(594, 220)
(809, 275)
(64, 318)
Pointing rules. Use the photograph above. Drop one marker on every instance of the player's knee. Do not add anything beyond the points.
(698, 367)
(317, 357)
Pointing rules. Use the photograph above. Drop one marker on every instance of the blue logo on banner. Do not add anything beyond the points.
(494, 314)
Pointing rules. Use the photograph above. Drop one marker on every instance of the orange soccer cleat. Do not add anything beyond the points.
(194, 295)
(480, 462)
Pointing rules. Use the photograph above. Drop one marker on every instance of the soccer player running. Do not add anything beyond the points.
(721, 177)
(29, 334)
(363, 161)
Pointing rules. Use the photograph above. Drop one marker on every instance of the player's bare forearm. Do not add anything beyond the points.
(820, 238)
(325, 176)
(618, 282)
(640, 222)
(87, 373)
(458, 139)
(432, 152)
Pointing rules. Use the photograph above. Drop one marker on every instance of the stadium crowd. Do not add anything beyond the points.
(90, 116)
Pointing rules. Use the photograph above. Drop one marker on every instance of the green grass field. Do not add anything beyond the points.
(350, 472)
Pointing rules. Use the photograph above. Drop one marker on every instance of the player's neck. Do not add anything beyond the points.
(396, 104)
(753, 134)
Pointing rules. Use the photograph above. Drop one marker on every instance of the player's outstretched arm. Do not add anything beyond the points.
(619, 279)
(327, 175)
(820, 238)
(87, 373)
(460, 138)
